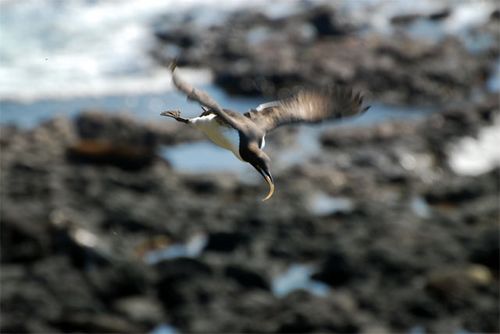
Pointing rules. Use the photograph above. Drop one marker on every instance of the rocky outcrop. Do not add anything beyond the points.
(418, 246)
(252, 54)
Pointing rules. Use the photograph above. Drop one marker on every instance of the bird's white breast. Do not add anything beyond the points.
(224, 136)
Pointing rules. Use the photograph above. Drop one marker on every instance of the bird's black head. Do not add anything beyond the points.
(261, 162)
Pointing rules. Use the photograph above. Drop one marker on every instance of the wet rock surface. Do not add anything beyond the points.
(253, 54)
(417, 247)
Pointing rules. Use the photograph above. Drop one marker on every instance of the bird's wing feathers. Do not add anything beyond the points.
(203, 98)
(308, 106)
(263, 106)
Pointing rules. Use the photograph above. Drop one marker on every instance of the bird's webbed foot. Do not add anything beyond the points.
(175, 114)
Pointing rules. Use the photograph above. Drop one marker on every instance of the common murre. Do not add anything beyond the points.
(244, 134)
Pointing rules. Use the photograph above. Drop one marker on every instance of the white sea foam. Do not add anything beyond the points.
(469, 14)
(474, 156)
(75, 48)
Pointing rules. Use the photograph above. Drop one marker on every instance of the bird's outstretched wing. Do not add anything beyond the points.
(308, 106)
(204, 99)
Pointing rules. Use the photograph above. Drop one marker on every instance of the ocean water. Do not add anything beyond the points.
(79, 48)
(298, 277)
(53, 49)
(146, 106)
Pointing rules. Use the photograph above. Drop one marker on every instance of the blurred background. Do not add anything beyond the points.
(114, 219)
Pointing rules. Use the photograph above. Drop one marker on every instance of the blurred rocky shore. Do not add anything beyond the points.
(99, 233)
(416, 63)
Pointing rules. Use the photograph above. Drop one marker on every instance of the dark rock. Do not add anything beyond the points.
(486, 249)
(8, 131)
(47, 292)
(141, 310)
(337, 270)
(96, 323)
(206, 186)
(405, 19)
(256, 84)
(455, 193)
(440, 15)
(66, 284)
(182, 268)
(209, 184)
(303, 313)
(246, 277)
(323, 19)
(73, 234)
(122, 130)
(257, 302)
(255, 55)
(21, 239)
(67, 239)
(120, 280)
(27, 179)
(183, 281)
(453, 287)
(117, 130)
(383, 133)
(225, 241)
(108, 153)
(495, 15)
(22, 295)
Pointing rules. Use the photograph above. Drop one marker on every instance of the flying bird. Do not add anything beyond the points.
(244, 134)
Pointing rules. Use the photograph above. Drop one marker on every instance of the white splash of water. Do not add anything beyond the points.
(474, 156)
(75, 48)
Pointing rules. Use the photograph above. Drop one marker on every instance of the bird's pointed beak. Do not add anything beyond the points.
(261, 163)
(269, 179)
(270, 182)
